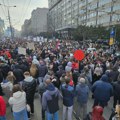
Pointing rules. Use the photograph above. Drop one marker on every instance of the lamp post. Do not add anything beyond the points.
(9, 18)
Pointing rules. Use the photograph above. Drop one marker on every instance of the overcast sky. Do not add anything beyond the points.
(21, 12)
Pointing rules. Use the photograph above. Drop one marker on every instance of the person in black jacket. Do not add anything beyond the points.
(114, 74)
(18, 73)
(116, 87)
(42, 71)
(60, 72)
(75, 76)
(1, 91)
(68, 99)
(55, 65)
(29, 86)
(5, 69)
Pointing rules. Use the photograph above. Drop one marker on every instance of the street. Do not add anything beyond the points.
(37, 115)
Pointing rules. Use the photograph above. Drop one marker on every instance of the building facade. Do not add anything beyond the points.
(37, 23)
(68, 14)
(2, 27)
(39, 20)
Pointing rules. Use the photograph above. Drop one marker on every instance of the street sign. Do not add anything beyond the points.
(112, 36)
(111, 41)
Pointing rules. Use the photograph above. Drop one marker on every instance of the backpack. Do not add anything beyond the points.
(50, 103)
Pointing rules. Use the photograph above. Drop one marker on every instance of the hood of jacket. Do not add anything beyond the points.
(97, 113)
(29, 79)
(82, 84)
(17, 94)
(46, 77)
(35, 61)
(51, 87)
(104, 78)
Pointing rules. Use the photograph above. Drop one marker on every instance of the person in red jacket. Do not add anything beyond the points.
(2, 109)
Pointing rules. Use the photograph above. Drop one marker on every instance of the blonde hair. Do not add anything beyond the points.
(11, 78)
(33, 70)
(118, 111)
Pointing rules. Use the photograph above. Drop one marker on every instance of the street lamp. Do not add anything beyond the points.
(9, 18)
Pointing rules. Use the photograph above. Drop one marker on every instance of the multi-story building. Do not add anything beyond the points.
(39, 20)
(67, 14)
(37, 23)
(2, 27)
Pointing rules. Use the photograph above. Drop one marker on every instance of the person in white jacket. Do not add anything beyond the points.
(18, 103)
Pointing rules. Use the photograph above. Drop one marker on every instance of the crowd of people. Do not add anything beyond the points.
(52, 71)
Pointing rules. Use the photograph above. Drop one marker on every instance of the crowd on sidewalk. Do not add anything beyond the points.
(53, 72)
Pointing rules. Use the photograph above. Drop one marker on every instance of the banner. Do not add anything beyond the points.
(31, 46)
(111, 42)
(112, 36)
(21, 51)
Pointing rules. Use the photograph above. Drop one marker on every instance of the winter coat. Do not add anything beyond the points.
(24, 67)
(50, 98)
(2, 106)
(55, 67)
(5, 69)
(82, 92)
(59, 73)
(116, 87)
(42, 70)
(18, 73)
(29, 86)
(1, 91)
(18, 101)
(75, 76)
(113, 75)
(68, 94)
(102, 90)
(7, 88)
(1, 75)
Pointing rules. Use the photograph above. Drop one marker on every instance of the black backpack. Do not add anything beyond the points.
(50, 103)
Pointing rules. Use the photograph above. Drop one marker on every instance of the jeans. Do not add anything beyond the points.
(81, 110)
(2, 118)
(67, 111)
(22, 115)
(50, 116)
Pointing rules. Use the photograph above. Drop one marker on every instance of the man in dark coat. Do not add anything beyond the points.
(102, 91)
(29, 86)
(116, 87)
(75, 76)
(18, 73)
(1, 92)
(114, 74)
(42, 71)
(60, 72)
